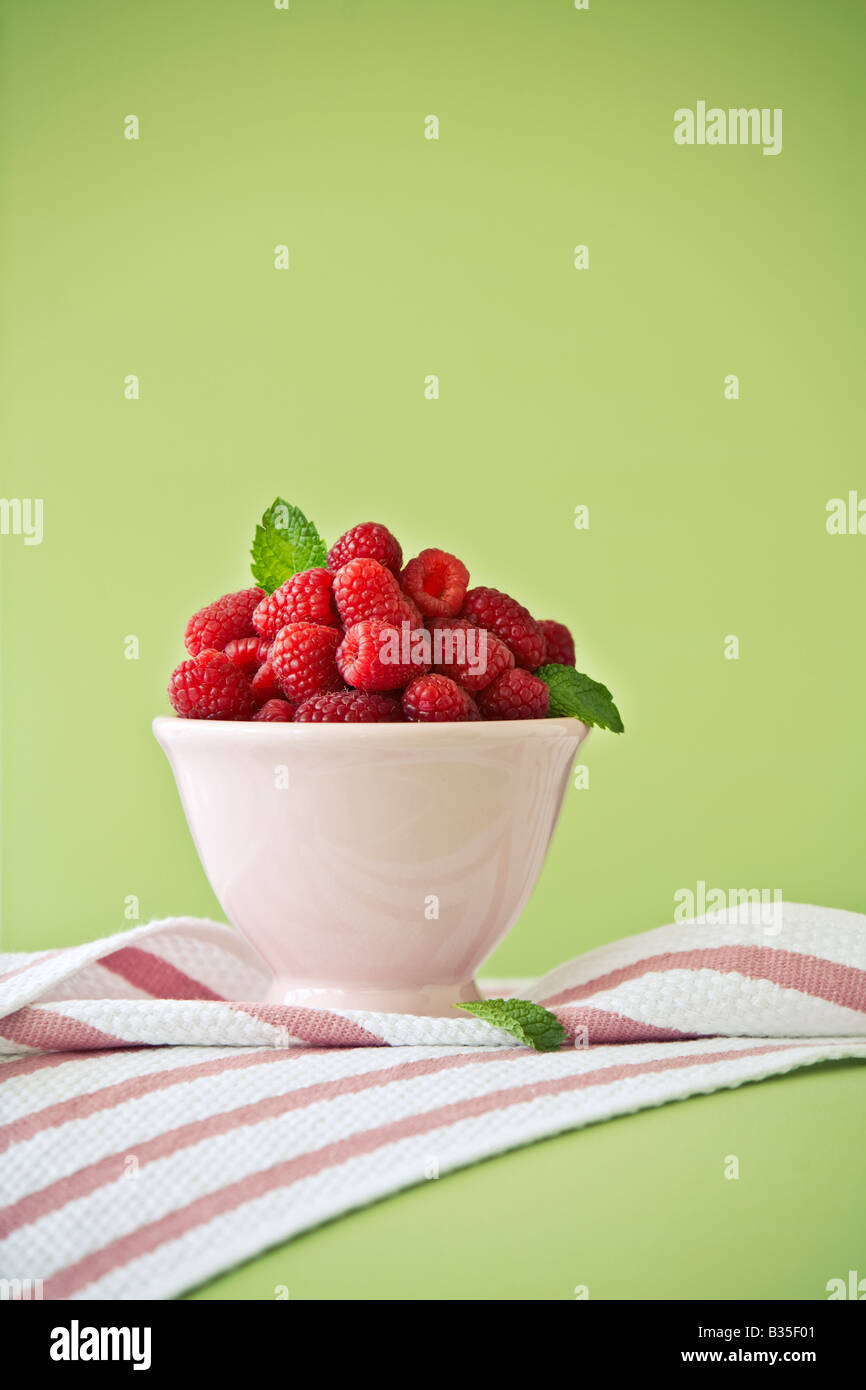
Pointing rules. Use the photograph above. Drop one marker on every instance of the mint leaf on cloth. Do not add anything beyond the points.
(285, 543)
(580, 697)
(529, 1023)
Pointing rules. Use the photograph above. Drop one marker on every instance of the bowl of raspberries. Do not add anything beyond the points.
(372, 862)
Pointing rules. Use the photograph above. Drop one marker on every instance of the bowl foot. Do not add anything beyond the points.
(430, 1001)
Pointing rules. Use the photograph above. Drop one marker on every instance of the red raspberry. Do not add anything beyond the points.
(248, 653)
(375, 655)
(276, 712)
(265, 685)
(444, 624)
(409, 612)
(437, 700)
(514, 695)
(302, 659)
(210, 686)
(368, 541)
(365, 589)
(509, 620)
(305, 598)
(227, 617)
(489, 654)
(437, 582)
(349, 707)
(559, 642)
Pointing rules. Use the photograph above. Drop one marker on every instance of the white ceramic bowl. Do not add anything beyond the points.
(373, 866)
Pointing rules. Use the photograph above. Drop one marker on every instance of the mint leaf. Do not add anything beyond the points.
(285, 542)
(529, 1023)
(580, 697)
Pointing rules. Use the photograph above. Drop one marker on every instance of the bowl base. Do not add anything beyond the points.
(428, 1001)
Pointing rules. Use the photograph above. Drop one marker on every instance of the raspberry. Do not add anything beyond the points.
(305, 598)
(265, 685)
(514, 695)
(375, 655)
(437, 700)
(248, 653)
(365, 589)
(227, 617)
(349, 707)
(275, 712)
(210, 686)
(473, 659)
(559, 642)
(409, 612)
(510, 621)
(368, 541)
(437, 583)
(302, 659)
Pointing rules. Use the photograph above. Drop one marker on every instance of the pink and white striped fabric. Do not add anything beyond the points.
(158, 1124)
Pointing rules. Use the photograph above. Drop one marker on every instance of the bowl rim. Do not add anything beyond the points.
(168, 728)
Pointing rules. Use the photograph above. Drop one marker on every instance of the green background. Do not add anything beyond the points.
(558, 387)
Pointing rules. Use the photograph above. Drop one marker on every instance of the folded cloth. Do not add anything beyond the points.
(189, 982)
(137, 1163)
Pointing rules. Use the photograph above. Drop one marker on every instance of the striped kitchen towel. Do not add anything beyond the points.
(158, 1124)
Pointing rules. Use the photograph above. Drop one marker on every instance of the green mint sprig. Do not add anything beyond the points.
(529, 1023)
(577, 696)
(285, 543)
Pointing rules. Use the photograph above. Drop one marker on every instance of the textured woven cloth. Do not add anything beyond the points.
(158, 1124)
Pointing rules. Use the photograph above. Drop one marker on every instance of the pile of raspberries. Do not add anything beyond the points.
(314, 651)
